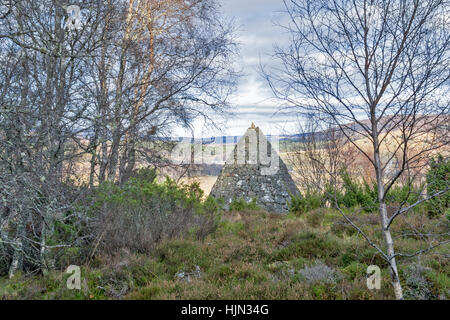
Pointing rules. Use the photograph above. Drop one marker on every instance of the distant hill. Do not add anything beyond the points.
(425, 121)
(230, 139)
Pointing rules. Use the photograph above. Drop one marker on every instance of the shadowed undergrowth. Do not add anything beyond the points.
(252, 255)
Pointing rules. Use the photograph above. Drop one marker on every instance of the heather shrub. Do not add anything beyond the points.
(315, 218)
(341, 227)
(143, 212)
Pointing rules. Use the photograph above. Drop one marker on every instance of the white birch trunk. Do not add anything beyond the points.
(384, 225)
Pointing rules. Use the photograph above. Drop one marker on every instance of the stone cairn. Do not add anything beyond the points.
(254, 170)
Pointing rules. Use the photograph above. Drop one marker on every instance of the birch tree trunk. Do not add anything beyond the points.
(17, 260)
(43, 250)
(382, 207)
(385, 229)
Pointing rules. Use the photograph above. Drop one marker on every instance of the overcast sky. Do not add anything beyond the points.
(253, 99)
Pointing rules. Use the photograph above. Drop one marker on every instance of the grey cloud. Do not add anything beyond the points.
(253, 100)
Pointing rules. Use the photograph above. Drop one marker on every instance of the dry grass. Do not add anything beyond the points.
(206, 182)
(252, 255)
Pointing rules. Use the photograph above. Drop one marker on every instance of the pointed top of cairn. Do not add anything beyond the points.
(252, 126)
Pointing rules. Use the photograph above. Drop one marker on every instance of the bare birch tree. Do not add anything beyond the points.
(94, 86)
(385, 61)
(161, 62)
(40, 116)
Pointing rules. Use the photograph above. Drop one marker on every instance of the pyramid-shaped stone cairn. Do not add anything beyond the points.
(255, 170)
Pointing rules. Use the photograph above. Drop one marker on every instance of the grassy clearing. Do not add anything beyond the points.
(253, 255)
